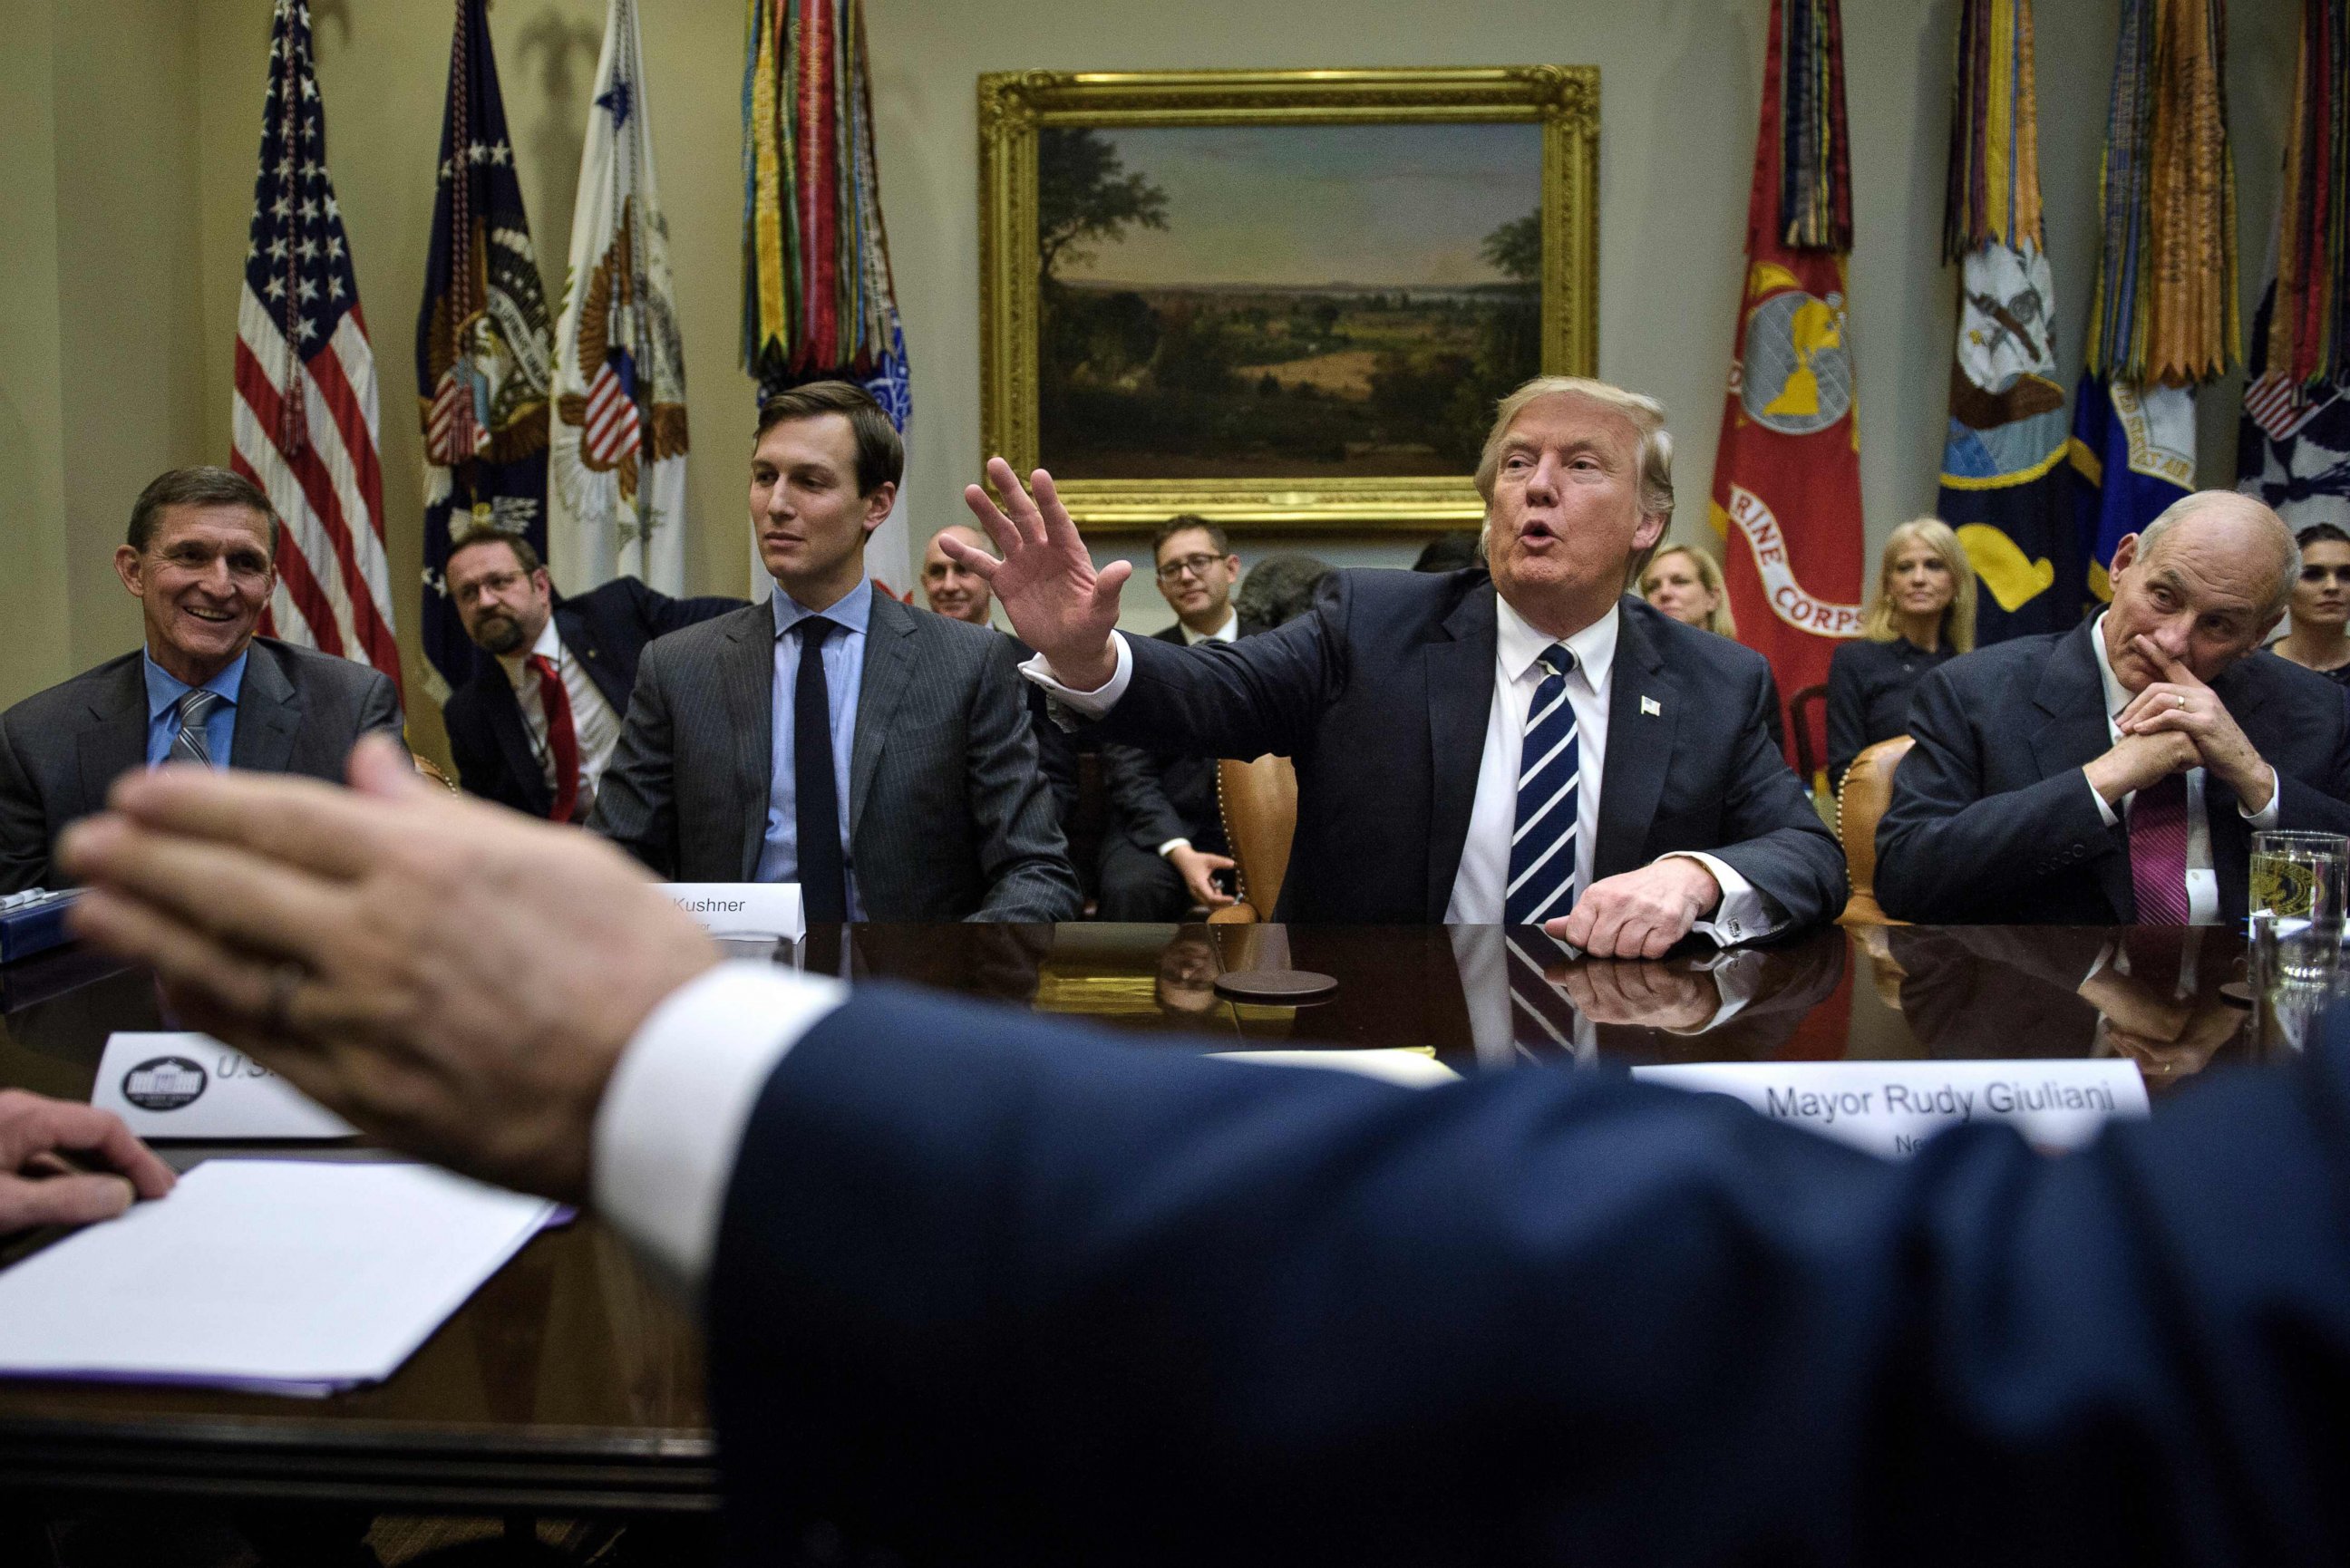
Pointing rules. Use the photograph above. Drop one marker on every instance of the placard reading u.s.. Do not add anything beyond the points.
(190, 1085)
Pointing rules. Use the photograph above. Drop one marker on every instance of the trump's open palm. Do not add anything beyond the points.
(1059, 604)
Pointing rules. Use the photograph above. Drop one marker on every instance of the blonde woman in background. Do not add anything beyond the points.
(1923, 614)
(1685, 583)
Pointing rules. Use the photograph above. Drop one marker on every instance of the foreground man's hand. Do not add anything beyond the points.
(40, 1186)
(455, 978)
(1641, 914)
(1046, 581)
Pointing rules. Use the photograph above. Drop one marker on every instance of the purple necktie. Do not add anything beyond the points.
(2157, 842)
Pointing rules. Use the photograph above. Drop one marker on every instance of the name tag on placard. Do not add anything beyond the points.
(192, 1086)
(743, 909)
(1893, 1107)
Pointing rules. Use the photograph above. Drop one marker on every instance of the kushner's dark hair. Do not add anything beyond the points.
(201, 486)
(525, 557)
(1184, 524)
(880, 453)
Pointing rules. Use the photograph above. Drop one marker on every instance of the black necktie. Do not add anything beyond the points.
(824, 879)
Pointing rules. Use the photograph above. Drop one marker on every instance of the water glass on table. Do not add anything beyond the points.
(2297, 903)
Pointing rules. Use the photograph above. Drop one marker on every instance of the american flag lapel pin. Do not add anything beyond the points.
(1649, 705)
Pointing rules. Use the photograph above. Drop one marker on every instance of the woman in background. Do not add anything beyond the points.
(2320, 605)
(1686, 584)
(1923, 614)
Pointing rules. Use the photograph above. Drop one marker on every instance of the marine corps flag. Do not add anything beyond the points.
(2294, 445)
(618, 459)
(2004, 489)
(482, 353)
(1786, 475)
(818, 299)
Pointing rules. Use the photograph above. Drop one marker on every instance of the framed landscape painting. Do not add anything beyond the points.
(1286, 299)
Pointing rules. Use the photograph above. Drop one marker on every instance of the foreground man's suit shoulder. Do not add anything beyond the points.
(1381, 695)
(950, 816)
(1991, 821)
(985, 1290)
(297, 711)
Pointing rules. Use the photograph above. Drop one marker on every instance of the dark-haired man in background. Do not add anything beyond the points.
(879, 757)
(201, 559)
(536, 726)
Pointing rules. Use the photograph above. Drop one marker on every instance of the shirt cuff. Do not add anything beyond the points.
(2103, 810)
(673, 1115)
(1173, 844)
(2266, 817)
(1743, 914)
(1085, 704)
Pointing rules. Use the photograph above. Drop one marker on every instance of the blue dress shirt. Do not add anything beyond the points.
(163, 693)
(844, 668)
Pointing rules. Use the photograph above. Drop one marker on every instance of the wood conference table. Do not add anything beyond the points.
(570, 1385)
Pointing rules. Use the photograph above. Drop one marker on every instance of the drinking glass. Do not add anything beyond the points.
(2298, 880)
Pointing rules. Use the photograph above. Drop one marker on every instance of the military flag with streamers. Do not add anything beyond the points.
(1787, 475)
(818, 300)
(2164, 316)
(305, 419)
(617, 457)
(483, 357)
(2294, 443)
(2004, 484)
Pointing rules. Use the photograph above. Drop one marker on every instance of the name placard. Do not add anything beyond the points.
(1893, 1107)
(190, 1085)
(743, 909)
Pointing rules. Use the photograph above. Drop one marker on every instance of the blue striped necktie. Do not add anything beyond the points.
(189, 745)
(1543, 849)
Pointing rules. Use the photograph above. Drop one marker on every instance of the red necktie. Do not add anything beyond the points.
(561, 737)
(2158, 846)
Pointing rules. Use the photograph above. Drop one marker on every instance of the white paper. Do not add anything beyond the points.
(1892, 1107)
(288, 1276)
(190, 1085)
(743, 909)
(1415, 1069)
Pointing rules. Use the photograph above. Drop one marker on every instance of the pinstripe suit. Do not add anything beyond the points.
(948, 815)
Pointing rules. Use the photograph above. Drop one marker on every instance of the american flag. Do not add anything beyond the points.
(305, 392)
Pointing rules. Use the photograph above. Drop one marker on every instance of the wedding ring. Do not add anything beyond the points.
(2179, 701)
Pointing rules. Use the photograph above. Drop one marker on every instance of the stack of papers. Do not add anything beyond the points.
(277, 1276)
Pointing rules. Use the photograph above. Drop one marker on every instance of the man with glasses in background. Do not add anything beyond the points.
(1165, 841)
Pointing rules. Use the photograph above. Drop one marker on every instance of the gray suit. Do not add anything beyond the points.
(298, 711)
(948, 815)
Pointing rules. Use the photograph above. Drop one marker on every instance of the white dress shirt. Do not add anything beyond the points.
(592, 719)
(1479, 888)
(1228, 632)
(2202, 881)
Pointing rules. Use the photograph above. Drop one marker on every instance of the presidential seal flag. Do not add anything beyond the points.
(1786, 475)
(2294, 445)
(2004, 489)
(306, 390)
(2163, 317)
(617, 458)
(484, 359)
(818, 300)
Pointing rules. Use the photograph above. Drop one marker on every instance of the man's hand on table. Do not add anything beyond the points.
(454, 977)
(1641, 914)
(1057, 602)
(64, 1163)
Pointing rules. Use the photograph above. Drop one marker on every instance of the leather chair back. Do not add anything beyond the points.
(1867, 791)
(432, 770)
(1258, 802)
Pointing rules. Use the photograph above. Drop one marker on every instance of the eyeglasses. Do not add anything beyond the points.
(1196, 565)
(482, 587)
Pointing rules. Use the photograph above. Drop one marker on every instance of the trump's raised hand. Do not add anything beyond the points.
(1059, 604)
(455, 978)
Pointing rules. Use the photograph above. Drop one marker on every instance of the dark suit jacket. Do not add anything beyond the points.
(1156, 795)
(607, 629)
(1380, 696)
(298, 711)
(1991, 822)
(991, 1290)
(949, 815)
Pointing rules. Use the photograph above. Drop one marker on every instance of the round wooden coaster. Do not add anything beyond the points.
(1278, 987)
(2237, 991)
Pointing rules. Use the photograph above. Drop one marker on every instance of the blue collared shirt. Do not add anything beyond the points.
(163, 693)
(844, 668)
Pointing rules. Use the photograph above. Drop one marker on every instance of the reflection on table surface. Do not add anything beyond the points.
(570, 1350)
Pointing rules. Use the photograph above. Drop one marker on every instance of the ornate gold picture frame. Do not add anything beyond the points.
(1160, 343)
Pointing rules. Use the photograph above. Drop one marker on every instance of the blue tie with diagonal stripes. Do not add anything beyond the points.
(1542, 849)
